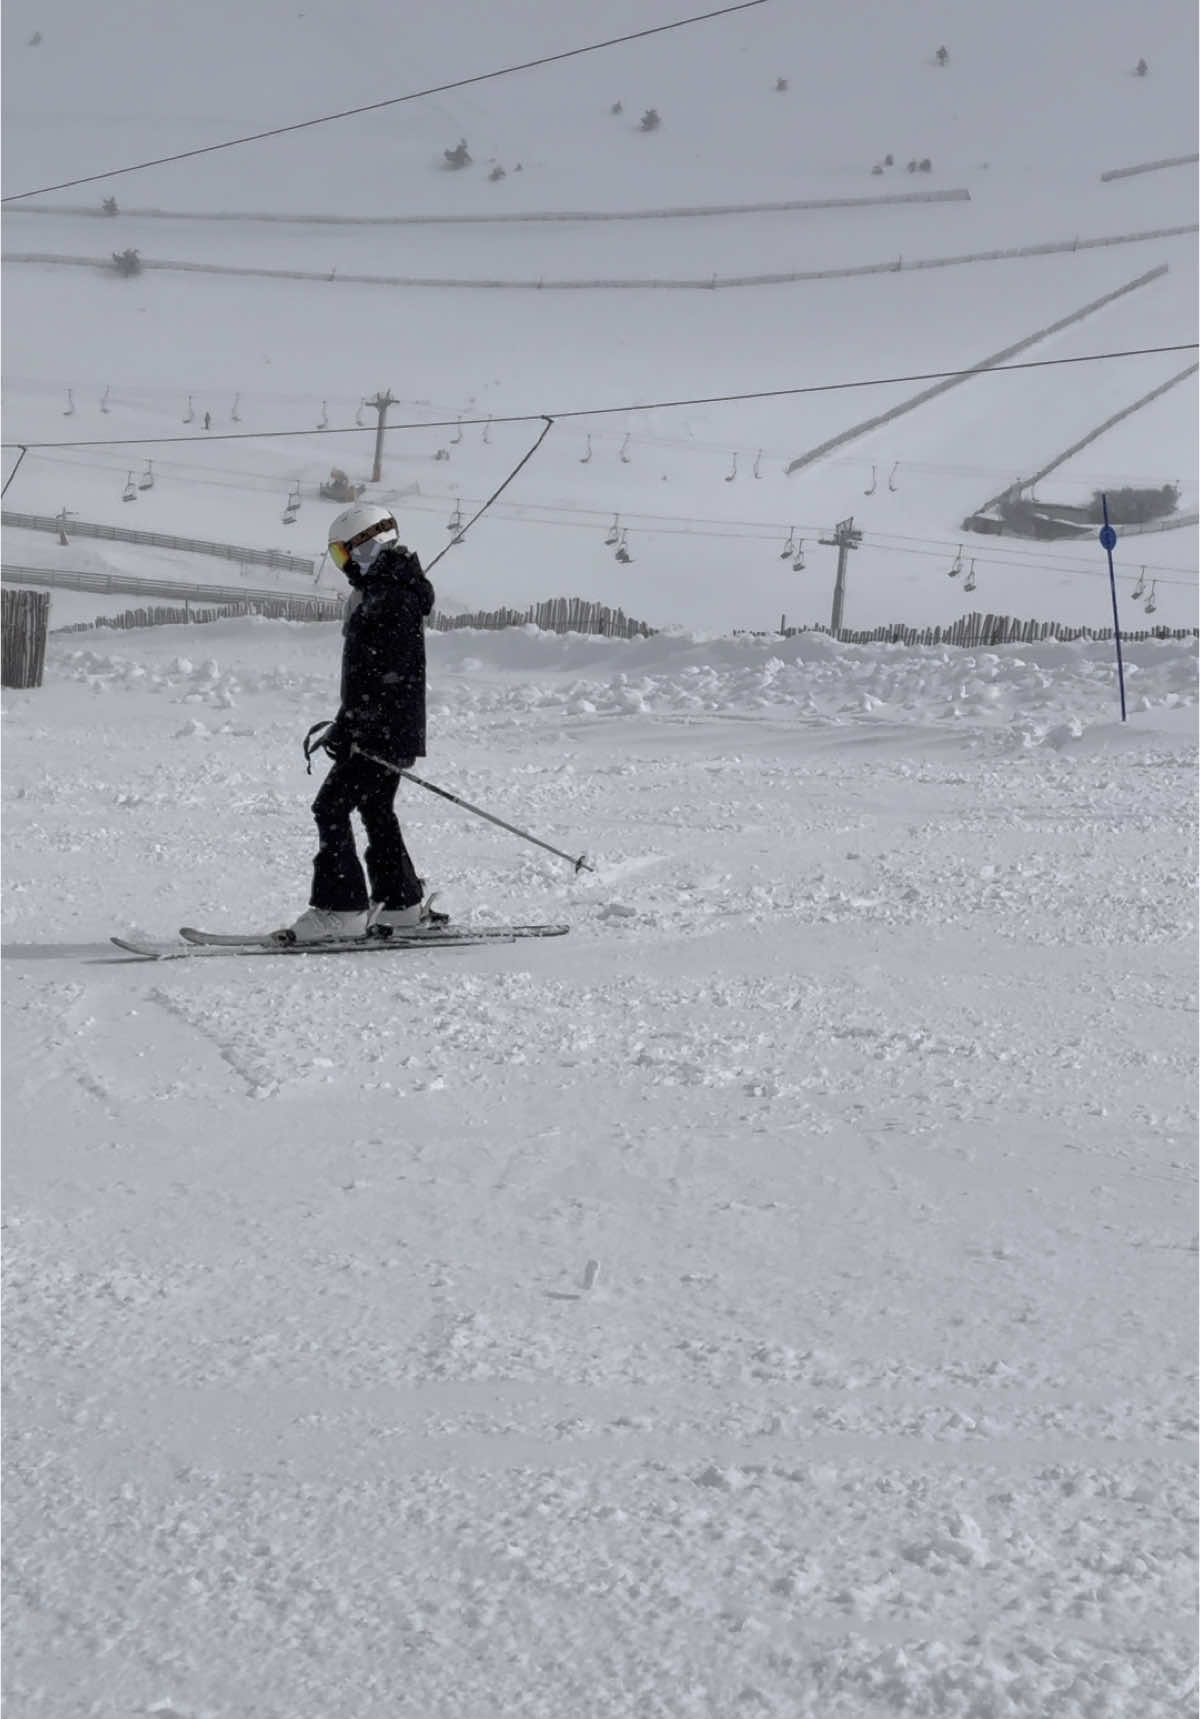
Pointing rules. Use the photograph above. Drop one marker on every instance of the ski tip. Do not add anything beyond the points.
(137, 949)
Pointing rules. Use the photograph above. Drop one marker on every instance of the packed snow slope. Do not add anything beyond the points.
(774, 1297)
(1032, 108)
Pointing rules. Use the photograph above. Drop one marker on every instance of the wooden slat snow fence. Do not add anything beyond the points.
(976, 631)
(705, 283)
(124, 584)
(25, 617)
(159, 540)
(1149, 167)
(959, 195)
(573, 615)
(558, 615)
(273, 608)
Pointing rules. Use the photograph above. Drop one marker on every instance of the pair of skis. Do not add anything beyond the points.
(196, 943)
(434, 932)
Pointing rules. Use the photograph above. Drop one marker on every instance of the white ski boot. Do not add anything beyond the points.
(324, 925)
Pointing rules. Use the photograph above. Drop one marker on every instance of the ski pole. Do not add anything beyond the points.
(580, 864)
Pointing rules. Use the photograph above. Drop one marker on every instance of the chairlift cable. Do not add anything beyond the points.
(639, 406)
(390, 101)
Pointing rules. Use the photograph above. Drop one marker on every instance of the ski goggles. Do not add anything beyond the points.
(340, 553)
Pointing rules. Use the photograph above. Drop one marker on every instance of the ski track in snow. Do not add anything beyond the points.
(866, 1074)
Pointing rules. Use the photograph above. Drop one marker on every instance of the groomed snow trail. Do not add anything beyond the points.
(776, 1297)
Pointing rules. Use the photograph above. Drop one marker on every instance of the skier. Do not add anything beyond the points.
(382, 713)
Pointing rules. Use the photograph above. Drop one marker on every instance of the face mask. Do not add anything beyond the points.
(366, 553)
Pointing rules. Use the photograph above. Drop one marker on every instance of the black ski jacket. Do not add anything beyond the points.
(383, 659)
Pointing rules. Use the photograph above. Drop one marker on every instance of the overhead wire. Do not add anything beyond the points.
(390, 101)
(1043, 564)
(569, 517)
(664, 525)
(565, 516)
(230, 476)
(767, 533)
(210, 473)
(153, 400)
(497, 419)
(484, 506)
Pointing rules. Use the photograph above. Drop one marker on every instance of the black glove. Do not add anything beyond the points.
(337, 741)
(328, 737)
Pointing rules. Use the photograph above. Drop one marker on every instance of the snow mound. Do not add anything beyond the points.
(1028, 695)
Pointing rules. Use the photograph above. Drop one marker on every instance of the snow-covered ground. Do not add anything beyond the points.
(865, 1076)
(775, 1297)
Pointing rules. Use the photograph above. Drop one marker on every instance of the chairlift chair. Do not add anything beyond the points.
(732, 471)
(969, 581)
(892, 484)
(798, 562)
(1139, 590)
(70, 411)
(758, 464)
(455, 522)
(289, 515)
(324, 423)
(130, 491)
(955, 569)
(146, 481)
(1151, 602)
(191, 411)
(104, 400)
(622, 553)
(237, 400)
(789, 548)
(457, 437)
(874, 484)
(487, 429)
(586, 458)
(614, 530)
(625, 451)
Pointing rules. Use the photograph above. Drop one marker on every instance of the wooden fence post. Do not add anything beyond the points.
(26, 615)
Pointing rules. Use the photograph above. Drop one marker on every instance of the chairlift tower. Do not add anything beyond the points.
(379, 404)
(844, 539)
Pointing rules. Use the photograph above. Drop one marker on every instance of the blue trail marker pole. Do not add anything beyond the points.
(1108, 542)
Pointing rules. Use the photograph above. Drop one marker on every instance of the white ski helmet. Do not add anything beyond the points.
(358, 524)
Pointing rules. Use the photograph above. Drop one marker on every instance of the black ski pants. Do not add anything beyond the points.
(355, 784)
